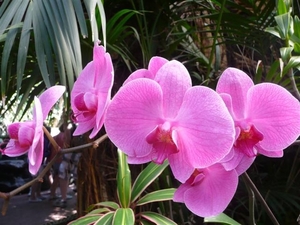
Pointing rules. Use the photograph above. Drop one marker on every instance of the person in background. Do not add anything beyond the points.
(61, 168)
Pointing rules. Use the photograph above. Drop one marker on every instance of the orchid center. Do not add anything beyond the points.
(162, 142)
(86, 103)
(247, 139)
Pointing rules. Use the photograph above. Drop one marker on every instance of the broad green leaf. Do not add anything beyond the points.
(283, 24)
(124, 216)
(88, 219)
(123, 180)
(108, 204)
(286, 53)
(293, 63)
(146, 177)
(222, 219)
(99, 211)
(273, 30)
(157, 196)
(281, 7)
(106, 219)
(157, 219)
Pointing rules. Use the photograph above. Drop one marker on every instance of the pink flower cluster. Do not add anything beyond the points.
(209, 137)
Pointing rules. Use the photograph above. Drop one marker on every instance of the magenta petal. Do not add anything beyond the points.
(139, 160)
(212, 194)
(84, 83)
(156, 63)
(13, 149)
(37, 156)
(84, 127)
(13, 129)
(239, 161)
(141, 73)
(236, 83)
(94, 83)
(174, 80)
(35, 153)
(26, 135)
(275, 113)
(180, 166)
(49, 97)
(132, 114)
(203, 117)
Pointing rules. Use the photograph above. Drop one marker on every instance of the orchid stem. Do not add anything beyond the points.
(252, 186)
(94, 144)
(251, 204)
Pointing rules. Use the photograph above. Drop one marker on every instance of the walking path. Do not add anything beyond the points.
(22, 212)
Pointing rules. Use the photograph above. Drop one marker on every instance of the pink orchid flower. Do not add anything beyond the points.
(266, 116)
(163, 117)
(28, 136)
(91, 93)
(208, 191)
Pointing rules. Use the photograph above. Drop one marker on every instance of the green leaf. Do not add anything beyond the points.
(23, 46)
(124, 217)
(88, 219)
(297, 26)
(108, 204)
(281, 7)
(99, 211)
(157, 196)
(286, 53)
(106, 219)
(221, 218)
(294, 62)
(273, 30)
(157, 218)
(283, 24)
(273, 71)
(123, 180)
(146, 177)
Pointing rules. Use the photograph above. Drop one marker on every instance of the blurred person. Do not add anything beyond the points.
(61, 168)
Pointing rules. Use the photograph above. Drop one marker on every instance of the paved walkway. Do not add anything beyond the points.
(22, 212)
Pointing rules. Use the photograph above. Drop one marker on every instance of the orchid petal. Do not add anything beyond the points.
(49, 97)
(13, 129)
(36, 151)
(84, 127)
(212, 194)
(132, 114)
(236, 83)
(26, 135)
(141, 73)
(174, 80)
(203, 116)
(156, 63)
(275, 113)
(13, 149)
(95, 83)
(84, 82)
